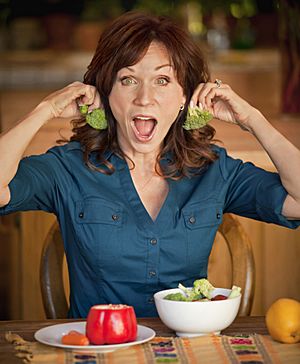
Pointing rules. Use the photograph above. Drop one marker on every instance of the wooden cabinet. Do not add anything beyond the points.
(276, 249)
(10, 267)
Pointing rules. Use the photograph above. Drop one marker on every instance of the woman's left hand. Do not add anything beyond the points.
(224, 104)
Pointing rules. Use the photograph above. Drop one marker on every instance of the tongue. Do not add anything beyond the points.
(145, 128)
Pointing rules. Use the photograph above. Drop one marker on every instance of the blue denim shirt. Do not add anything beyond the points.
(115, 252)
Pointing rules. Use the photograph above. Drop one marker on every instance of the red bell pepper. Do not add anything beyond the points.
(111, 324)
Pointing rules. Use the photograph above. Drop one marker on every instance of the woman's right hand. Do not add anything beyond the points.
(64, 102)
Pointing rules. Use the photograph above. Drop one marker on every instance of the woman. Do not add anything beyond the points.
(139, 203)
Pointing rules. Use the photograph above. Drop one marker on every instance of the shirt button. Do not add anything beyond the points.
(152, 273)
(192, 220)
(218, 215)
(81, 214)
(115, 217)
(151, 300)
(153, 241)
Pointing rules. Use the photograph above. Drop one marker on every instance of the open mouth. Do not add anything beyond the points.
(144, 127)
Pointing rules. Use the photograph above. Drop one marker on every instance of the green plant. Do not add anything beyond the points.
(99, 10)
(289, 34)
(4, 12)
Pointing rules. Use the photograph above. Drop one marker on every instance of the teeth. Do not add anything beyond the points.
(143, 118)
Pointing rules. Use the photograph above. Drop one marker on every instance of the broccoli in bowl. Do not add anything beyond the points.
(202, 290)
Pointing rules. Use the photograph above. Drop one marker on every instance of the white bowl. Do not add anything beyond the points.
(197, 318)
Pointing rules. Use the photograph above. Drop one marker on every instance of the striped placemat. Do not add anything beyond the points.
(244, 349)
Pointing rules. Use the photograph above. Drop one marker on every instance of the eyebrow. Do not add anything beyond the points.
(156, 68)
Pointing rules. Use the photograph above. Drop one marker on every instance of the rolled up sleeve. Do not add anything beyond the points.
(255, 193)
(34, 185)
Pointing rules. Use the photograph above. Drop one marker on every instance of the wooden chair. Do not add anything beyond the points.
(51, 269)
(242, 260)
(51, 275)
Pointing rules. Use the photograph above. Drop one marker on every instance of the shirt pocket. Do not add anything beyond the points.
(99, 223)
(201, 220)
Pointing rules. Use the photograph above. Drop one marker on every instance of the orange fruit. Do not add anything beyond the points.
(283, 320)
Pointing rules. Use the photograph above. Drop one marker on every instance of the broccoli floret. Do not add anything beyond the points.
(196, 118)
(235, 292)
(191, 295)
(84, 109)
(96, 118)
(175, 297)
(204, 287)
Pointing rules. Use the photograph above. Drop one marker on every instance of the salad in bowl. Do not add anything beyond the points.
(198, 310)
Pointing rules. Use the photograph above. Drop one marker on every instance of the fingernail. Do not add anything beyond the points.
(192, 104)
(200, 106)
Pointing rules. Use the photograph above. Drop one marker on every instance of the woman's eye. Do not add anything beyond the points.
(162, 81)
(126, 81)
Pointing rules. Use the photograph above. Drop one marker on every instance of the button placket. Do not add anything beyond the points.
(152, 258)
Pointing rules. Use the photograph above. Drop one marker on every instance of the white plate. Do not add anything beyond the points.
(51, 335)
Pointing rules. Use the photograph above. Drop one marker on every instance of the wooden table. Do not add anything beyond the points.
(26, 329)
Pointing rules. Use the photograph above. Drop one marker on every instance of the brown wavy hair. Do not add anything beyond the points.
(123, 44)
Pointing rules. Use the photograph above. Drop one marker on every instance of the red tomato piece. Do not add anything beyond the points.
(75, 338)
(219, 297)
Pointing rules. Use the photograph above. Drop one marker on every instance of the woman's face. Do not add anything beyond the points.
(145, 100)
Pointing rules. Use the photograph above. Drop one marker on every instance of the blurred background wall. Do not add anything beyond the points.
(254, 45)
(239, 24)
(74, 26)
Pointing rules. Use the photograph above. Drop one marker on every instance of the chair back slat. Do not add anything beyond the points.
(51, 275)
(243, 267)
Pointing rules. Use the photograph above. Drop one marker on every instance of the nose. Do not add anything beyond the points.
(144, 95)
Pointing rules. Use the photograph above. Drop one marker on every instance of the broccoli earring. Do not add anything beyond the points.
(96, 118)
(196, 118)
